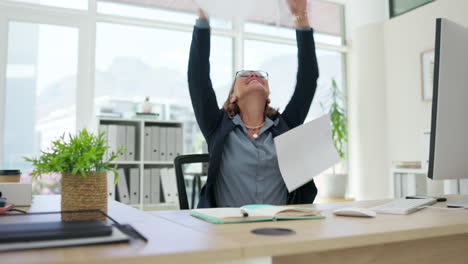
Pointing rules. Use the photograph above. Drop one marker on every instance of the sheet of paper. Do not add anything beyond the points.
(270, 10)
(306, 151)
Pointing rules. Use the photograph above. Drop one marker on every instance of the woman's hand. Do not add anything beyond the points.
(201, 14)
(299, 11)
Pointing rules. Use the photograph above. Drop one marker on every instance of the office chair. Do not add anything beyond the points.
(179, 162)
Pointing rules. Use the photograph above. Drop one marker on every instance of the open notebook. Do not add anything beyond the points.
(255, 213)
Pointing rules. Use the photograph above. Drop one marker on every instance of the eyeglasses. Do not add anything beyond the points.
(247, 73)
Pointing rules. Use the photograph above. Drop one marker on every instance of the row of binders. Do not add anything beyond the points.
(162, 143)
(159, 144)
(118, 135)
(159, 186)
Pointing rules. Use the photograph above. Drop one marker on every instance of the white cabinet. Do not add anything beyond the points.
(150, 145)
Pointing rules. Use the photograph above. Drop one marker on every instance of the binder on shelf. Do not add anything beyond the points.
(112, 139)
(163, 144)
(147, 186)
(122, 187)
(179, 139)
(134, 185)
(147, 145)
(170, 143)
(130, 143)
(121, 138)
(397, 185)
(155, 186)
(155, 147)
(169, 186)
(105, 129)
(110, 185)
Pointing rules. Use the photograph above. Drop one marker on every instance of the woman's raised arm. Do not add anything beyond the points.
(307, 73)
(201, 90)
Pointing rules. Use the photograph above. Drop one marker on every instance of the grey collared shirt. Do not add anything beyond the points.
(249, 171)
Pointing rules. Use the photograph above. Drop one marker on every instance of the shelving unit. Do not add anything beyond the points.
(140, 162)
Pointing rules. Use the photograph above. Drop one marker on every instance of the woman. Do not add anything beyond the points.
(243, 163)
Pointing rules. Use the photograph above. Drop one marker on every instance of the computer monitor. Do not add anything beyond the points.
(448, 151)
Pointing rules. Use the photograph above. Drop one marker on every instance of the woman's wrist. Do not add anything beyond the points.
(202, 23)
(301, 19)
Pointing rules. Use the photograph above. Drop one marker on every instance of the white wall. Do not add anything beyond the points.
(387, 113)
(366, 98)
(364, 12)
(367, 114)
(406, 37)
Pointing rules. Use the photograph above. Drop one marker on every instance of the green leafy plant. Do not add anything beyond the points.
(338, 119)
(79, 154)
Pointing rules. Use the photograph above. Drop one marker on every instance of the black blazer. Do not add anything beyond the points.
(215, 123)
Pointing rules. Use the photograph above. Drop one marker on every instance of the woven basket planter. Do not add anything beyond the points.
(80, 193)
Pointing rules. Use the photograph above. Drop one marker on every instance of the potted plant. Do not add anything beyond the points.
(336, 183)
(81, 161)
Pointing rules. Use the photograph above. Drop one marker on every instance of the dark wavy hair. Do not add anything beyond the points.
(233, 109)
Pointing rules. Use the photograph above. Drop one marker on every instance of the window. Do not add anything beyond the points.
(141, 50)
(133, 62)
(176, 12)
(398, 7)
(40, 89)
(280, 61)
(75, 4)
(326, 18)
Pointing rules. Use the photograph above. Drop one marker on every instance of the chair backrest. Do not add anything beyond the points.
(179, 162)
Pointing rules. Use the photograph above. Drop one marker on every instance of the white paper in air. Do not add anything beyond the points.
(306, 151)
(243, 9)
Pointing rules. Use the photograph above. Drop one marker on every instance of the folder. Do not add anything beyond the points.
(116, 236)
(54, 230)
(397, 185)
(163, 144)
(112, 139)
(179, 139)
(147, 186)
(134, 185)
(121, 138)
(130, 143)
(169, 186)
(147, 145)
(170, 143)
(110, 185)
(155, 186)
(155, 156)
(122, 187)
(105, 129)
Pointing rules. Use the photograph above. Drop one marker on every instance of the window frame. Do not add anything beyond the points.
(86, 22)
(393, 13)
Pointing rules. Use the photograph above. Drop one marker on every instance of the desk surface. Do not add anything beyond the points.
(334, 232)
(167, 242)
(176, 237)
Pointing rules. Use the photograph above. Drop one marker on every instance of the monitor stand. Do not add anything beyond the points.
(459, 203)
(459, 186)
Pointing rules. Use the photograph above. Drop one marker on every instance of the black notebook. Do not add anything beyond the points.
(10, 233)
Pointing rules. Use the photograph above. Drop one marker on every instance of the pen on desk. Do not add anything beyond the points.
(439, 199)
(244, 212)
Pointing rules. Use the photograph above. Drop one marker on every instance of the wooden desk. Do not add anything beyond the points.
(429, 236)
(167, 242)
